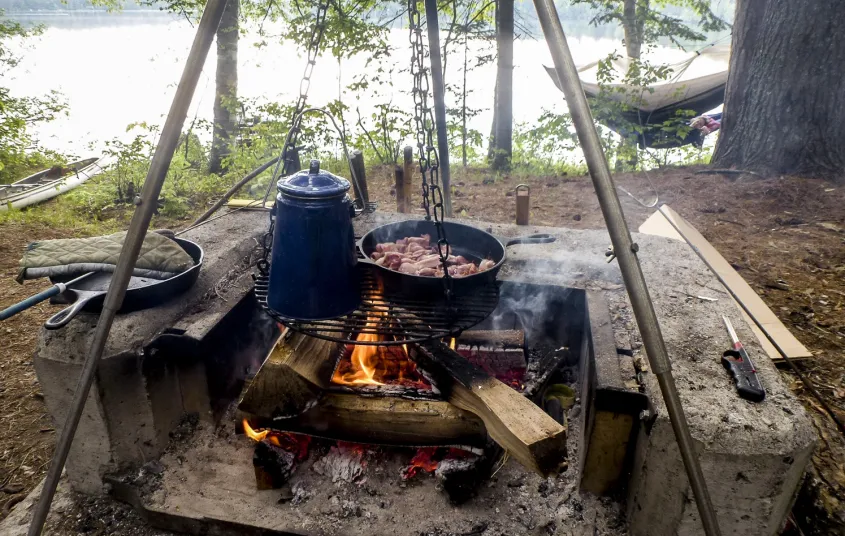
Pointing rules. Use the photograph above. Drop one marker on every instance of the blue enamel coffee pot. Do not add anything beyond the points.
(313, 264)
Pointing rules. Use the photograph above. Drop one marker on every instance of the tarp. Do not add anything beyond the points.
(697, 84)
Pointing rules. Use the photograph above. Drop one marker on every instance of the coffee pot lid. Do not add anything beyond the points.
(313, 183)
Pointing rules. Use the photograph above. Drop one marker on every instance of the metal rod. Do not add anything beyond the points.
(438, 90)
(234, 189)
(626, 253)
(131, 247)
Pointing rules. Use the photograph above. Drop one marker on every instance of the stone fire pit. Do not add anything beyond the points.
(191, 356)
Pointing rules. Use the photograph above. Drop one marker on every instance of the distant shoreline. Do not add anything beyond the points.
(78, 12)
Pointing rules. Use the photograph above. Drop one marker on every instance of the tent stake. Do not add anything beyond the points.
(131, 247)
(626, 253)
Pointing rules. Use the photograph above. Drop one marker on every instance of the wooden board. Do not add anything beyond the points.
(247, 204)
(292, 377)
(524, 430)
(666, 222)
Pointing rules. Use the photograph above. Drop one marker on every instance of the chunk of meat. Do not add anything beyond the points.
(416, 255)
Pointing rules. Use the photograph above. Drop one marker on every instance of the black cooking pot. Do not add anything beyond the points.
(474, 244)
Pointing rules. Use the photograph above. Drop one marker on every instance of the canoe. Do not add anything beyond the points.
(48, 183)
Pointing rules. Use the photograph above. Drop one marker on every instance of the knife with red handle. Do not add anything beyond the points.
(742, 369)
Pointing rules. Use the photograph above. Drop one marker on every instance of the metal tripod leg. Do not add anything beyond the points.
(626, 253)
(168, 141)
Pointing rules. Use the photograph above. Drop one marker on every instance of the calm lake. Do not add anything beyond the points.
(117, 69)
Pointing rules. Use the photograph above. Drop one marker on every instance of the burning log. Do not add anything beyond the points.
(275, 455)
(460, 474)
(502, 338)
(501, 353)
(292, 377)
(513, 421)
(389, 421)
(273, 465)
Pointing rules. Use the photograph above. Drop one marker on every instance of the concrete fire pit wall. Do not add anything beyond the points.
(753, 455)
(151, 375)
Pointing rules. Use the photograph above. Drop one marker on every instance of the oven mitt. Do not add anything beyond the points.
(160, 257)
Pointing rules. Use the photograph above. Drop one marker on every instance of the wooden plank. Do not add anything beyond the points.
(672, 226)
(386, 421)
(524, 430)
(247, 204)
(293, 376)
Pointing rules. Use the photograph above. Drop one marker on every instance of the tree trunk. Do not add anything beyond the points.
(226, 90)
(633, 29)
(784, 103)
(491, 146)
(634, 13)
(464, 106)
(503, 137)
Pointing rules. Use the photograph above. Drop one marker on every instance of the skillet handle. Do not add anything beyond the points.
(541, 238)
(61, 319)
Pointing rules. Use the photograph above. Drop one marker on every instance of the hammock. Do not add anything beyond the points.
(655, 105)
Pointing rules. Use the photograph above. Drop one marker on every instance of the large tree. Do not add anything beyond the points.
(226, 88)
(784, 101)
(502, 143)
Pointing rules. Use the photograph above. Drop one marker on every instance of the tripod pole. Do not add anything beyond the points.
(626, 253)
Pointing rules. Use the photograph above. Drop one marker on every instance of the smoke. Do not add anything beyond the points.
(535, 309)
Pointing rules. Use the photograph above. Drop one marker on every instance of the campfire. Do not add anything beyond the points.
(377, 365)
(446, 405)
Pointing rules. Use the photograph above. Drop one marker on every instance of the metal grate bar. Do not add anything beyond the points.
(422, 319)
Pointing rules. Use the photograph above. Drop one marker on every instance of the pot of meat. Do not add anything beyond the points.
(405, 256)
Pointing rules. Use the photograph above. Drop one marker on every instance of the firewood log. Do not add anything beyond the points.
(514, 422)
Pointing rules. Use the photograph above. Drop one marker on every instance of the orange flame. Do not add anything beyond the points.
(252, 434)
(452, 343)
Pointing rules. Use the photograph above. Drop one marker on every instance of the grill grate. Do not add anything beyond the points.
(422, 319)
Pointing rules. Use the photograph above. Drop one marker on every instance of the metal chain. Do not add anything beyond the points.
(289, 149)
(428, 159)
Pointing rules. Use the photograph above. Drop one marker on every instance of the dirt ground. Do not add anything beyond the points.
(784, 235)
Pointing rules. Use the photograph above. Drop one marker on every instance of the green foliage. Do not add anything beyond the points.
(388, 126)
(18, 155)
(545, 146)
(648, 21)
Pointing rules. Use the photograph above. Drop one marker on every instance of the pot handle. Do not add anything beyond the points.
(540, 238)
(63, 317)
(359, 251)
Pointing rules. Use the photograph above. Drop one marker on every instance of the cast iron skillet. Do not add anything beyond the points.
(143, 292)
(474, 244)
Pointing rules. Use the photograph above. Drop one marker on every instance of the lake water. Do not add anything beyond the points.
(117, 69)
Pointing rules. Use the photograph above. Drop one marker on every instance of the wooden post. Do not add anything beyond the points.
(362, 192)
(523, 204)
(408, 176)
(399, 176)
